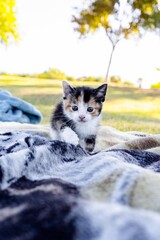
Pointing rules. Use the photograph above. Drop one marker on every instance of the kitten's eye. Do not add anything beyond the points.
(90, 109)
(75, 108)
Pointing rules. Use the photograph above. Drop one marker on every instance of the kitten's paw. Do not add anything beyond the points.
(69, 136)
(53, 134)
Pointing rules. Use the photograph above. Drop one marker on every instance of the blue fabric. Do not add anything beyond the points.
(13, 109)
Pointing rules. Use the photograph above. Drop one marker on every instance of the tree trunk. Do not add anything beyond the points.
(109, 64)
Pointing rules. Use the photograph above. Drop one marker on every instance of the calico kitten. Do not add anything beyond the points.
(77, 117)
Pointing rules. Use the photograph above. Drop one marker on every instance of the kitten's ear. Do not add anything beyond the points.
(67, 89)
(101, 92)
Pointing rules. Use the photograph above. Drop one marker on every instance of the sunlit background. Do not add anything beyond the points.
(49, 41)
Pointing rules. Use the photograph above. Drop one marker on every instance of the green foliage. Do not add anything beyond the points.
(118, 20)
(70, 78)
(91, 79)
(99, 79)
(149, 14)
(126, 83)
(8, 22)
(53, 73)
(94, 16)
(157, 85)
(115, 79)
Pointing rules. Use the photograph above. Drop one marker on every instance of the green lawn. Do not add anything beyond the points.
(127, 109)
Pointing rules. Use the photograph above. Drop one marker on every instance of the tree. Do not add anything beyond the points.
(119, 19)
(8, 22)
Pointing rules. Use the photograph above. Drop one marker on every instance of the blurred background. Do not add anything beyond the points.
(86, 43)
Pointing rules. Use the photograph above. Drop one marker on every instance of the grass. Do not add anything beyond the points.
(127, 109)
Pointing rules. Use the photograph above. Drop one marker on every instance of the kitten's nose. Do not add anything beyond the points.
(81, 117)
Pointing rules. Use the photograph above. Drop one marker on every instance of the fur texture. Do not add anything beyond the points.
(76, 119)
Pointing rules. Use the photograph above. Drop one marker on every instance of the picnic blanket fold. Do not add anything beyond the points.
(13, 109)
(54, 190)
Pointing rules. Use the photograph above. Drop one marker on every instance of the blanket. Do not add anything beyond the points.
(54, 190)
(13, 109)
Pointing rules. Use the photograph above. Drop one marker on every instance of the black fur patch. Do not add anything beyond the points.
(90, 143)
(58, 115)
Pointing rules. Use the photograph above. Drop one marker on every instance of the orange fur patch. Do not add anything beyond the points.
(95, 106)
(67, 104)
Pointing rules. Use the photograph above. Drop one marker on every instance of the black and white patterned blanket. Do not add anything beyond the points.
(55, 190)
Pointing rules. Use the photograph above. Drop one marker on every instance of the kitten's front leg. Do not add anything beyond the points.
(69, 136)
(90, 143)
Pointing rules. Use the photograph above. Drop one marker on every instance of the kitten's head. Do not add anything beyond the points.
(82, 104)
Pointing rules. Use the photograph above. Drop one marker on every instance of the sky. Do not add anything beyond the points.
(48, 40)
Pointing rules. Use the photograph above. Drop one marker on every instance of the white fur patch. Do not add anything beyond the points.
(69, 136)
(53, 134)
(84, 129)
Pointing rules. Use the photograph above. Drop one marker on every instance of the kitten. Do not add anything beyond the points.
(77, 117)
